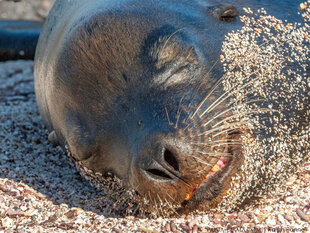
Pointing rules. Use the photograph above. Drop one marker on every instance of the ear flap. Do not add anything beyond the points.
(226, 13)
(79, 136)
(167, 46)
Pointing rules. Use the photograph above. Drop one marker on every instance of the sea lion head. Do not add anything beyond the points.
(123, 103)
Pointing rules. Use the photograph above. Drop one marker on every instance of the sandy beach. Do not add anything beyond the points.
(40, 188)
(42, 191)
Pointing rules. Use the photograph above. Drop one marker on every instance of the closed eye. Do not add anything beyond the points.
(175, 74)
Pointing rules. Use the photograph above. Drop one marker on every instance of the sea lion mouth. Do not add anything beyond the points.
(217, 170)
(210, 190)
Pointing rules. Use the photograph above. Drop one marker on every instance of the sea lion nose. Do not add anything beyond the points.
(163, 166)
(162, 169)
(160, 161)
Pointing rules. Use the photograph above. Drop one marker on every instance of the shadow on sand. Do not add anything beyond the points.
(27, 156)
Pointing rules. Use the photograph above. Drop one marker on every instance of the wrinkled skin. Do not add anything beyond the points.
(117, 80)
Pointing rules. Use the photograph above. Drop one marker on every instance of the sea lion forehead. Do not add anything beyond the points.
(107, 43)
(124, 42)
(117, 31)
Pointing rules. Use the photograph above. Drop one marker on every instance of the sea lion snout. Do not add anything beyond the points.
(161, 160)
(162, 168)
(162, 165)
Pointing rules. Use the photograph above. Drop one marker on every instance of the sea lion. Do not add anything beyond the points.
(122, 86)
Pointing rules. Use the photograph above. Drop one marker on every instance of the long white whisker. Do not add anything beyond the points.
(229, 126)
(228, 94)
(243, 114)
(201, 161)
(200, 86)
(213, 154)
(228, 110)
(178, 113)
(223, 77)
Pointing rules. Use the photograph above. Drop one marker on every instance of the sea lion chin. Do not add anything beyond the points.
(122, 87)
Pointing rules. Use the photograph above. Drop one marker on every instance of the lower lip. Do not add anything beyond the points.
(217, 167)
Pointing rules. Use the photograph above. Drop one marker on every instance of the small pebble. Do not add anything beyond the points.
(15, 213)
(244, 218)
(302, 215)
(167, 227)
(302, 6)
(289, 218)
(271, 222)
(173, 227)
(217, 216)
(193, 222)
(185, 227)
(7, 222)
(71, 213)
(195, 229)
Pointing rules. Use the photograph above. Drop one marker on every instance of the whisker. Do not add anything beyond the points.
(160, 205)
(178, 112)
(200, 160)
(214, 154)
(230, 109)
(226, 126)
(134, 212)
(167, 114)
(243, 114)
(220, 144)
(171, 207)
(169, 38)
(227, 94)
(243, 87)
(218, 115)
(227, 140)
(196, 91)
(222, 99)
(224, 131)
(223, 77)
(153, 202)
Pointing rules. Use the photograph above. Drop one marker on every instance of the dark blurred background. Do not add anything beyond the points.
(20, 25)
(25, 9)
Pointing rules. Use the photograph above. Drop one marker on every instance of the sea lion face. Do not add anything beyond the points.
(131, 109)
(132, 95)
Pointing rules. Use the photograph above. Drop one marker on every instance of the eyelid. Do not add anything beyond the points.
(174, 75)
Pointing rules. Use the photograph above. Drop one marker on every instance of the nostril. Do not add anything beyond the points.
(171, 160)
(158, 173)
